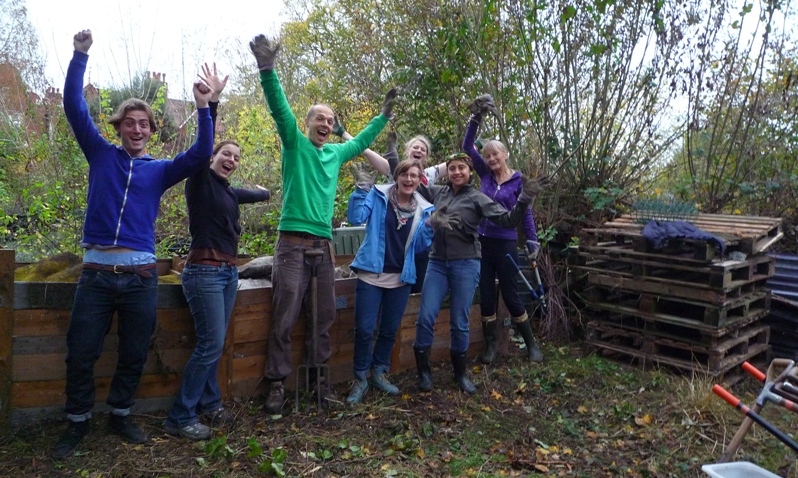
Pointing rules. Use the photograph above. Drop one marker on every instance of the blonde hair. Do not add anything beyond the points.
(494, 144)
(422, 139)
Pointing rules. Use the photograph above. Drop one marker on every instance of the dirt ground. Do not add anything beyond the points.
(576, 415)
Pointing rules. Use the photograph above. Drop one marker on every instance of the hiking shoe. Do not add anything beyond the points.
(220, 416)
(275, 399)
(380, 382)
(196, 431)
(70, 439)
(124, 427)
(359, 389)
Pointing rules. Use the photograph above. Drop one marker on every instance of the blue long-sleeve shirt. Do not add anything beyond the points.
(124, 193)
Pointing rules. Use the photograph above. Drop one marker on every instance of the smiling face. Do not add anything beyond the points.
(134, 130)
(417, 150)
(225, 159)
(319, 123)
(495, 155)
(407, 179)
(459, 173)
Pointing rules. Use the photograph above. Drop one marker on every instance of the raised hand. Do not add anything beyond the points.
(338, 127)
(364, 178)
(202, 94)
(533, 187)
(265, 51)
(82, 41)
(440, 218)
(482, 105)
(211, 78)
(387, 104)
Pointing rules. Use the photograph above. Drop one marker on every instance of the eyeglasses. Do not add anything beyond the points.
(409, 175)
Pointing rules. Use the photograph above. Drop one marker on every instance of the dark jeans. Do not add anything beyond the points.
(494, 264)
(99, 295)
(422, 259)
(376, 305)
(211, 293)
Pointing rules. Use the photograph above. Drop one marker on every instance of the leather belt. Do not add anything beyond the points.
(141, 270)
(209, 262)
(304, 235)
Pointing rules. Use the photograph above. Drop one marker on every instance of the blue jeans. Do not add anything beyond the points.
(373, 304)
(494, 264)
(98, 296)
(459, 278)
(210, 292)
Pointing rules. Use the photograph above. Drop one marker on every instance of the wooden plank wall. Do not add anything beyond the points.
(33, 382)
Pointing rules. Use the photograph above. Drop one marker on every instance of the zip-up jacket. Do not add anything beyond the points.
(371, 208)
(124, 192)
(461, 242)
(505, 194)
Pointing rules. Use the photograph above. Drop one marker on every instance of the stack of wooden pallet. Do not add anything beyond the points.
(685, 305)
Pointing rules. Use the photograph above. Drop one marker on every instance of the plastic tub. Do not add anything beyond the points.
(737, 469)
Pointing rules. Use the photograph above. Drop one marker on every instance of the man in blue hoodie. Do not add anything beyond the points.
(119, 276)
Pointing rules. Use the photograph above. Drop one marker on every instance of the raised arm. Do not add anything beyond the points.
(468, 144)
(265, 52)
(199, 153)
(75, 107)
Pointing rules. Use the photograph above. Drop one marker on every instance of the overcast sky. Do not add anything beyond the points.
(167, 36)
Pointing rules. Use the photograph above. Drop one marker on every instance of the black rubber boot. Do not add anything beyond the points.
(533, 351)
(489, 332)
(424, 372)
(459, 362)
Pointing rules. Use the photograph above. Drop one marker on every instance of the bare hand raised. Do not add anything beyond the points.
(202, 94)
(211, 78)
(82, 41)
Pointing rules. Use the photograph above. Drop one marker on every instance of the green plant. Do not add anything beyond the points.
(275, 463)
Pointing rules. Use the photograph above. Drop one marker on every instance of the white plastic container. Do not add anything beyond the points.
(737, 469)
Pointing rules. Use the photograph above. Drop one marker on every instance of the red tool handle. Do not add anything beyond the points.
(754, 371)
(722, 393)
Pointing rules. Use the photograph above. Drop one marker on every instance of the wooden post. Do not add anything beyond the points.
(7, 263)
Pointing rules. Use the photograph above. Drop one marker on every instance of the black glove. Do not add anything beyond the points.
(482, 105)
(364, 179)
(440, 218)
(387, 104)
(533, 187)
(338, 127)
(265, 51)
(392, 155)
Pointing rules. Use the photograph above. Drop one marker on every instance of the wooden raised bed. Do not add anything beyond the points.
(34, 318)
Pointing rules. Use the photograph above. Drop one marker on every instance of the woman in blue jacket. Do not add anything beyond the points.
(396, 230)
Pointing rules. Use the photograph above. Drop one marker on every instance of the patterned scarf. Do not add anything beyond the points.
(402, 213)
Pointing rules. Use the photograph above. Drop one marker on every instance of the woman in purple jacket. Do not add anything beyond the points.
(503, 185)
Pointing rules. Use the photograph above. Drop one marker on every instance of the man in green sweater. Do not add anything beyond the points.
(310, 169)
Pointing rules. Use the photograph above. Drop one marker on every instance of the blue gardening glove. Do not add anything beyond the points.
(265, 51)
(338, 127)
(532, 250)
(532, 187)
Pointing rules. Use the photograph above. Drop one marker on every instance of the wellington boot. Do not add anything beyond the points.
(424, 371)
(459, 362)
(489, 332)
(533, 351)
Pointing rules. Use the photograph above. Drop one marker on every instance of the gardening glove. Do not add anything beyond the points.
(392, 155)
(440, 218)
(364, 179)
(338, 127)
(265, 51)
(532, 187)
(387, 104)
(532, 250)
(479, 144)
(482, 105)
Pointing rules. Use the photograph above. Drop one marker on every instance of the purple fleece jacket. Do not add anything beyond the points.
(505, 194)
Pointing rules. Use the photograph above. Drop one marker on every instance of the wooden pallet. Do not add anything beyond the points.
(721, 275)
(716, 360)
(704, 337)
(634, 241)
(680, 311)
(748, 234)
